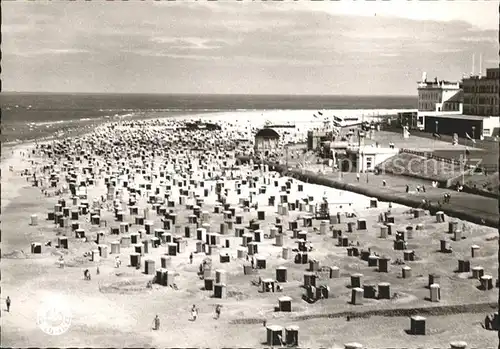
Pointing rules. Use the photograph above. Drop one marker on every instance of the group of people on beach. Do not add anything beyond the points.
(194, 316)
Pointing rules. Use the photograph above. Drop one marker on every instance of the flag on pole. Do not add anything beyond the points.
(470, 138)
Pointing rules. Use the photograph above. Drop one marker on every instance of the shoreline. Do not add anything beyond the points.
(11, 156)
(211, 114)
(9, 190)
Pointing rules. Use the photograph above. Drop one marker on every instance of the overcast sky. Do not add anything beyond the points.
(303, 47)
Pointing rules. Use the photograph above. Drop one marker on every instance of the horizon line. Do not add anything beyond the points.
(207, 94)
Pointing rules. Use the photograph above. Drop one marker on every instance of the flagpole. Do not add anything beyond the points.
(467, 137)
(465, 162)
(286, 156)
(437, 134)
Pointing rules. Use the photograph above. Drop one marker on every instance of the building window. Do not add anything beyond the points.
(368, 163)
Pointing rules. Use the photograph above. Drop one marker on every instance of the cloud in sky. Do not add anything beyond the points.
(245, 47)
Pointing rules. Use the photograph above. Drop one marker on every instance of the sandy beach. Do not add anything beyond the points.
(116, 307)
(11, 157)
(304, 174)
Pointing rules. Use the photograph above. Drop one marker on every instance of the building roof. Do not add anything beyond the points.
(371, 150)
(338, 144)
(407, 112)
(456, 98)
(490, 75)
(458, 116)
(267, 133)
(435, 84)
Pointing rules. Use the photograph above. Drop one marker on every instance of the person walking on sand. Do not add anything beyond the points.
(7, 302)
(217, 311)
(191, 258)
(194, 312)
(61, 262)
(156, 323)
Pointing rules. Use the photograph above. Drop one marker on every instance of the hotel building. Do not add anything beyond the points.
(470, 107)
(437, 98)
(482, 99)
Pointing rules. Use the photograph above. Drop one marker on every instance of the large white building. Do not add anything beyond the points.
(467, 108)
(436, 98)
(366, 157)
